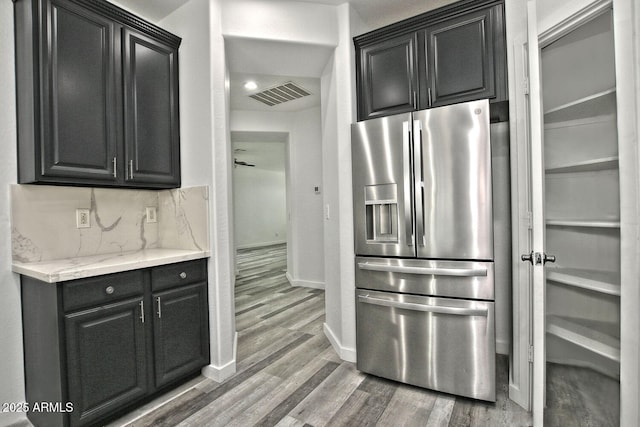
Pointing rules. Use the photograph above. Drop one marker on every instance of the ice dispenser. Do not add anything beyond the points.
(381, 205)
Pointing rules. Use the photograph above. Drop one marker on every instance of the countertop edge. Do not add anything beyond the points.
(100, 265)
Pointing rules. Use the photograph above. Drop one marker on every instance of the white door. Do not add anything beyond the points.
(536, 139)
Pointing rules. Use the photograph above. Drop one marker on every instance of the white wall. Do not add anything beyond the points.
(338, 112)
(206, 160)
(305, 168)
(11, 356)
(305, 263)
(259, 204)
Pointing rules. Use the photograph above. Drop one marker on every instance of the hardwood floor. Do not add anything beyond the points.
(289, 375)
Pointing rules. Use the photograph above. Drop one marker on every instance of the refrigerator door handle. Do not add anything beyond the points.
(419, 180)
(408, 197)
(429, 271)
(441, 309)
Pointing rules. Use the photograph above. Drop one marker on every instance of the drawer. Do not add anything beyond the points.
(182, 273)
(101, 290)
(444, 344)
(456, 279)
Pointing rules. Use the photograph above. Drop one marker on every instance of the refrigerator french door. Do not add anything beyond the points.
(424, 249)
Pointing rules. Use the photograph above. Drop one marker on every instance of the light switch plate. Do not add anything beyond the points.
(152, 214)
(83, 218)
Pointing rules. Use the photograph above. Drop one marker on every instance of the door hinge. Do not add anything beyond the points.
(525, 86)
(530, 354)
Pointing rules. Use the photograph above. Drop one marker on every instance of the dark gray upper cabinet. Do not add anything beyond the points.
(150, 110)
(390, 75)
(452, 54)
(97, 96)
(461, 56)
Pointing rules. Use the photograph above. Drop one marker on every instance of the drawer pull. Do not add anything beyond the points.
(183, 275)
(435, 271)
(109, 290)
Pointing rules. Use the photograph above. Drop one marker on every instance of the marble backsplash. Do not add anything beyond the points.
(44, 221)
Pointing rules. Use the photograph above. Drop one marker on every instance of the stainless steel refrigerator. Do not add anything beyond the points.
(424, 249)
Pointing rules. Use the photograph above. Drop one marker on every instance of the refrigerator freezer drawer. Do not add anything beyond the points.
(459, 279)
(438, 343)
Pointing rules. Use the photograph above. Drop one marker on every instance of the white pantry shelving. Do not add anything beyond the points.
(582, 200)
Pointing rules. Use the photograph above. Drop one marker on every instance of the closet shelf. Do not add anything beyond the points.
(583, 223)
(592, 280)
(585, 335)
(593, 165)
(589, 106)
(586, 121)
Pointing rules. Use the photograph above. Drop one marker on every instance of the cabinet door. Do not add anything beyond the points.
(181, 330)
(78, 96)
(106, 359)
(461, 58)
(152, 130)
(388, 78)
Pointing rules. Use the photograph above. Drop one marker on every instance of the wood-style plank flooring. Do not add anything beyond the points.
(581, 397)
(289, 375)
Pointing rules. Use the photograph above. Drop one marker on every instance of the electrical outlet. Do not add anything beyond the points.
(152, 214)
(83, 218)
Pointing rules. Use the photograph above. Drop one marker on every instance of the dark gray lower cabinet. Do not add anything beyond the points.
(98, 346)
(106, 359)
(180, 332)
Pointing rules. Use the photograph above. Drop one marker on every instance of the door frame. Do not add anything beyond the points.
(536, 42)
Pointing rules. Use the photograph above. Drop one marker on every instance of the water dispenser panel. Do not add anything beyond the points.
(381, 205)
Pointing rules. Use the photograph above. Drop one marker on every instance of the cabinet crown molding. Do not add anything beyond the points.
(129, 19)
(419, 21)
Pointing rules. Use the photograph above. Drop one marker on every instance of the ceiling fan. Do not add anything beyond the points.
(237, 163)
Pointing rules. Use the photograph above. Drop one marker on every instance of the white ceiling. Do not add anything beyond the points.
(271, 63)
(378, 13)
(374, 13)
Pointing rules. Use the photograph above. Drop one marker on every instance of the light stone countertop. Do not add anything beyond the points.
(88, 266)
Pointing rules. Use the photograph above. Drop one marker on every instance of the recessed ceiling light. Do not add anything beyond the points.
(250, 85)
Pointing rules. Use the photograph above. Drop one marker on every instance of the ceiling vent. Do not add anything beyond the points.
(279, 94)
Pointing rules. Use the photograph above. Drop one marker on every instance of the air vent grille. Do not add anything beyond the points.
(279, 94)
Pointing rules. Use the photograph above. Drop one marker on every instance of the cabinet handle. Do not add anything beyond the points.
(183, 275)
(429, 93)
(109, 290)
(142, 311)
(415, 101)
(115, 167)
(159, 308)
(130, 169)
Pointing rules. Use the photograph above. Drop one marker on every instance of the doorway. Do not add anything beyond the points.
(576, 221)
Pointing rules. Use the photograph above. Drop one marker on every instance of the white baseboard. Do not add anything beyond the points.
(221, 373)
(520, 397)
(261, 244)
(503, 347)
(304, 283)
(345, 353)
